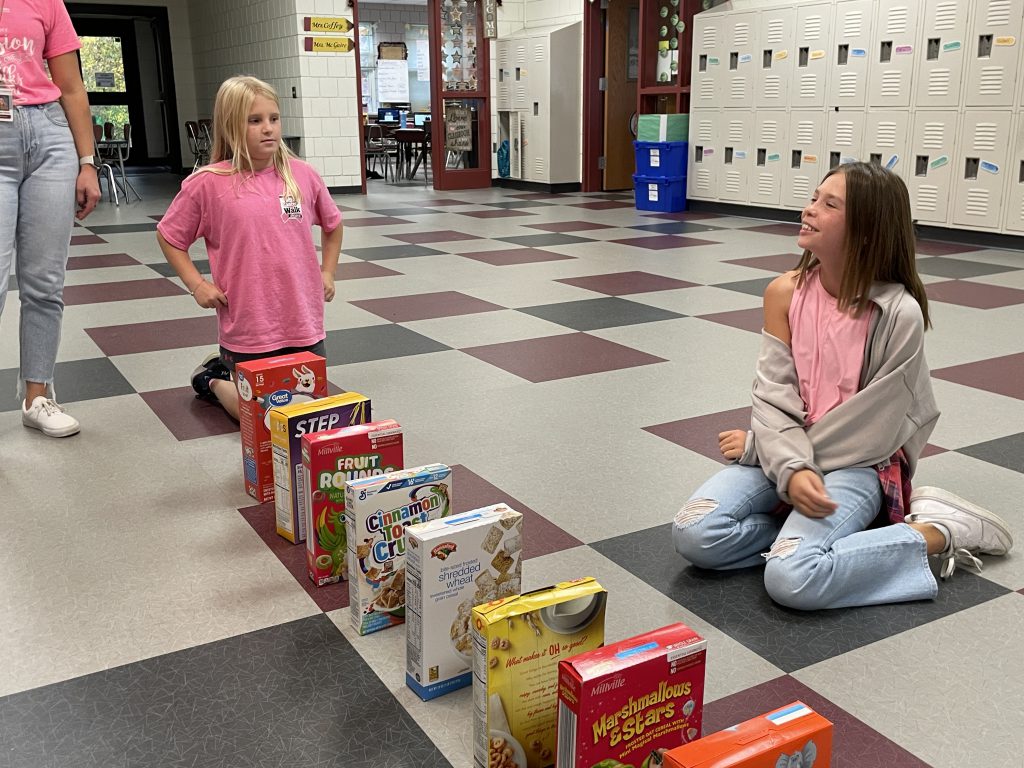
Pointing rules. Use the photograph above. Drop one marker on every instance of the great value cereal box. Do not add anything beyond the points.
(620, 704)
(517, 644)
(453, 564)
(329, 459)
(792, 737)
(288, 424)
(262, 385)
(377, 512)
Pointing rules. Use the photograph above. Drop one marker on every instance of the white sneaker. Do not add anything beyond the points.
(972, 530)
(49, 418)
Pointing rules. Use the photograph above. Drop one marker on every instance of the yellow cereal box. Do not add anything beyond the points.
(517, 644)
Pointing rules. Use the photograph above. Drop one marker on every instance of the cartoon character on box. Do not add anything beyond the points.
(301, 392)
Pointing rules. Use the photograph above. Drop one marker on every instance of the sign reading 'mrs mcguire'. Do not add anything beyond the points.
(329, 44)
(326, 24)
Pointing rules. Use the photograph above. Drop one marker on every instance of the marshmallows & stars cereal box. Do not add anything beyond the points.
(453, 564)
(377, 512)
(618, 705)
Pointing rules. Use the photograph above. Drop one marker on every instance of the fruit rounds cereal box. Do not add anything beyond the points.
(518, 642)
(618, 705)
(377, 512)
(795, 737)
(263, 384)
(329, 459)
(451, 565)
(288, 424)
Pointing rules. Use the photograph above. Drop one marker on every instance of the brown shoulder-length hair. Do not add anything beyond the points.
(879, 238)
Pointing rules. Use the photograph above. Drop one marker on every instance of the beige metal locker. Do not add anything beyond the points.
(848, 81)
(702, 174)
(737, 155)
(738, 62)
(813, 29)
(503, 89)
(519, 52)
(994, 51)
(774, 56)
(1014, 195)
(771, 130)
(933, 157)
(805, 163)
(981, 168)
(942, 53)
(886, 135)
(706, 76)
(893, 54)
(844, 137)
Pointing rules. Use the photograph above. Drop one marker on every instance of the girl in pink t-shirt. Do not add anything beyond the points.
(255, 206)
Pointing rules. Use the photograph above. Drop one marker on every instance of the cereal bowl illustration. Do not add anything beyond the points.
(244, 387)
(505, 752)
(391, 598)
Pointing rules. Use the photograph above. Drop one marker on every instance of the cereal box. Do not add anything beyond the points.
(618, 705)
(517, 644)
(792, 737)
(451, 565)
(262, 384)
(377, 512)
(288, 424)
(328, 460)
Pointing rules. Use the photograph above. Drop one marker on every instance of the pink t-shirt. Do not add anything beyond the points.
(828, 347)
(261, 256)
(31, 32)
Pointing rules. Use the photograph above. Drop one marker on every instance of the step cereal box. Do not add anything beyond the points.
(263, 384)
(329, 459)
(451, 565)
(620, 704)
(518, 643)
(794, 736)
(288, 424)
(377, 512)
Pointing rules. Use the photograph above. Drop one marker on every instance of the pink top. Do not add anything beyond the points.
(31, 32)
(828, 347)
(261, 252)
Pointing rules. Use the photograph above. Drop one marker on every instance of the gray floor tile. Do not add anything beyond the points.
(1005, 452)
(121, 229)
(540, 241)
(377, 342)
(165, 269)
(74, 380)
(957, 269)
(590, 314)
(751, 287)
(382, 252)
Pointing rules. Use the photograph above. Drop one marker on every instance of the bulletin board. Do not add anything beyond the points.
(392, 80)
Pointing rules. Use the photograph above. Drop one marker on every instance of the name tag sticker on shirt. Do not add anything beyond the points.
(290, 208)
(6, 105)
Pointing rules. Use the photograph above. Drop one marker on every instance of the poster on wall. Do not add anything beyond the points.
(423, 60)
(392, 80)
(458, 123)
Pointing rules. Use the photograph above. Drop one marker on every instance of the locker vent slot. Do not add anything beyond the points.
(733, 181)
(770, 131)
(797, 154)
(848, 85)
(897, 21)
(705, 130)
(538, 167)
(765, 185)
(813, 27)
(928, 198)
(801, 188)
(891, 81)
(772, 88)
(707, 90)
(991, 81)
(709, 37)
(945, 15)
(886, 136)
(776, 30)
(934, 135)
(805, 132)
(933, 48)
(736, 131)
(766, 59)
(985, 136)
(938, 82)
(539, 53)
(741, 34)
(844, 134)
(739, 89)
(998, 13)
(808, 86)
(921, 165)
(853, 24)
(703, 181)
(977, 202)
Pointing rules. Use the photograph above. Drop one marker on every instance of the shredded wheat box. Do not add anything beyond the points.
(287, 426)
(329, 459)
(377, 512)
(518, 642)
(451, 565)
(619, 704)
(792, 737)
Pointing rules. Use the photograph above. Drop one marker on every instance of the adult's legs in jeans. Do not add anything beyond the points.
(834, 562)
(728, 523)
(11, 153)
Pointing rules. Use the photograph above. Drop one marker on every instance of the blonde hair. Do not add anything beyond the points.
(230, 123)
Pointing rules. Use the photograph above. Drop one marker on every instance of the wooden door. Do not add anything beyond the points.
(621, 66)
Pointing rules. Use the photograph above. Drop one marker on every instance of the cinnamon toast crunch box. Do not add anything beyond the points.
(262, 385)
(619, 704)
(795, 737)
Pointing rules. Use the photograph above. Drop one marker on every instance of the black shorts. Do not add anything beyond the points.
(231, 359)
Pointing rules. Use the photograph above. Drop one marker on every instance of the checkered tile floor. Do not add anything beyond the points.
(569, 355)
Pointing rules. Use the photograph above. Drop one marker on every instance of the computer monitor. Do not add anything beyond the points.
(385, 115)
(419, 119)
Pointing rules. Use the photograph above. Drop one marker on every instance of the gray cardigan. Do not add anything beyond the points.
(894, 407)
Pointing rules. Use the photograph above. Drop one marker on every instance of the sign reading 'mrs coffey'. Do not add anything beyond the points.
(326, 24)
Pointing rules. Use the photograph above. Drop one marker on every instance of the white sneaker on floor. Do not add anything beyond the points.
(49, 418)
(972, 530)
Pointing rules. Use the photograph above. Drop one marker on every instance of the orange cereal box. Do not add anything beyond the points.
(794, 736)
(622, 704)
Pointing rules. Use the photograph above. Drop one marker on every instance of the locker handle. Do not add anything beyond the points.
(734, 60)
(984, 46)
(805, 54)
(934, 45)
(766, 60)
(1020, 177)
(971, 168)
(797, 157)
(921, 166)
(518, 74)
(762, 156)
(702, 63)
(698, 154)
(885, 54)
(843, 55)
(728, 155)
(876, 158)
(833, 160)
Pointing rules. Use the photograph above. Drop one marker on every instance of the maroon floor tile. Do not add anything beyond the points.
(1002, 375)
(510, 256)
(560, 357)
(443, 201)
(941, 248)
(357, 270)
(101, 260)
(541, 536)
(700, 433)
(746, 319)
(425, 306)
(932, 450)
(329, 597)
(87, 240)
(569, 226)
(187, 418)
(684, 216)
(854, 743)
(624, 283)
(126, 290)
(603, 205)
(539, 196)
(663, 242)
(374, 221)
(976, 295)
(782, 228)
(492, 214)
(156, 216)
(780, 262)
(151, 337)
(439, 236)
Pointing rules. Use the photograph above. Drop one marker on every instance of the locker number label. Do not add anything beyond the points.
(938, 162)
(740, 154)
(1006, 40)
(904, 50)
(745, 58)
(779, 56)
(817, 55)
(952, 45)
(810, 158)
(858, 53)
(989, 167)
(774, 157)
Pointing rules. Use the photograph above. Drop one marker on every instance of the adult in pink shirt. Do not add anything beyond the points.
(255, 205)
(46, 169)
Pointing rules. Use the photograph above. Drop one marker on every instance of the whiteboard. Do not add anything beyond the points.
(392, 80)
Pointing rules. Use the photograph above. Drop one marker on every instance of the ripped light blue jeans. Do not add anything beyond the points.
(810, 563)
(38, 168)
